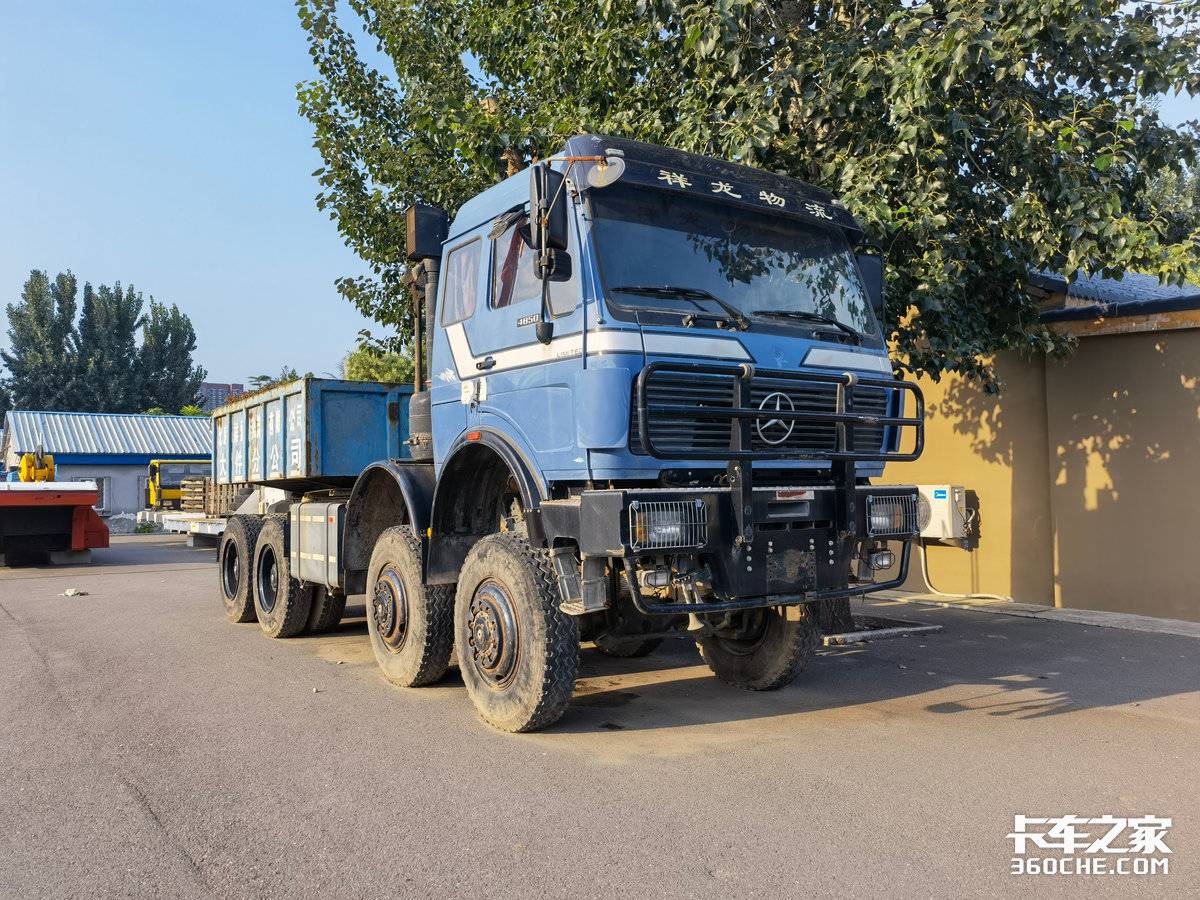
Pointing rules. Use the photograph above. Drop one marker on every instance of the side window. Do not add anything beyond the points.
(513, 278)
(462, 280)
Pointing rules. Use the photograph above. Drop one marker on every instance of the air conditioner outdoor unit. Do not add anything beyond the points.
(942, 511)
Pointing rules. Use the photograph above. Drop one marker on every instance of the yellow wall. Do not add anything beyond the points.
(1087, 473)
(1125, 432)
(995, 446)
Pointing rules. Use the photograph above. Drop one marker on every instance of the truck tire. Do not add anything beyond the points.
(411, 625)
(777, 651)
(281, 601)
(325, 613)
(517, 651)
(834, 616)
(235, 565)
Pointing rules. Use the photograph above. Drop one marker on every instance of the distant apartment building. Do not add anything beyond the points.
(213, 395)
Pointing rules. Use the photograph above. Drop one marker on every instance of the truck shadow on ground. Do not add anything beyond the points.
(1002, 667)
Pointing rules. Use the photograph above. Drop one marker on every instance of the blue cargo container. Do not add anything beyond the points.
(309, 433)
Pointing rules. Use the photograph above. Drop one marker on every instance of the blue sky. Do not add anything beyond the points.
(159, 143)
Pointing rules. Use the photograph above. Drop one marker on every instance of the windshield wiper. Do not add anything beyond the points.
(687, 293)
(805, 316)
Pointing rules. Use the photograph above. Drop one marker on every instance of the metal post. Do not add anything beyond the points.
(741, 471)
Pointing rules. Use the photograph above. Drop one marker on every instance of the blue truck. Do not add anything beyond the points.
(651, 395)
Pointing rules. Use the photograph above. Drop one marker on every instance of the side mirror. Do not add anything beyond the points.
(556, 267)
(426, 228)
(548, 208)
(871, 267)
(548, 236)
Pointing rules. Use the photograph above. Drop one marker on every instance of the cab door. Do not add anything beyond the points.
(526, 386)
(462, 282)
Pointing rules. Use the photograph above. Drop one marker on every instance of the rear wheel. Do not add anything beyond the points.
(769, 648)
(281, 601)
(234, 566)
(411, 625)
(518, 652)
(326, 610)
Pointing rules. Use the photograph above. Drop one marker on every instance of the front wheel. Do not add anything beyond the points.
(517, 651)
(766, 651)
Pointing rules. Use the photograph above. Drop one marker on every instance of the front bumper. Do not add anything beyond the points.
(793, 552)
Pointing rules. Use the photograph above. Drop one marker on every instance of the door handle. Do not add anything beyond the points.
(486, 363)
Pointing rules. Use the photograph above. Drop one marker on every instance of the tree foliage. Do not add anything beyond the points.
(973, 140)
(286, 374)
(169, 377)
(42, 369)
(96, 364)
(105, 349)
(367, 362)
(1174, 196)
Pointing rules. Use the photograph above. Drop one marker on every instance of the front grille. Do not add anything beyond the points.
(678, 434)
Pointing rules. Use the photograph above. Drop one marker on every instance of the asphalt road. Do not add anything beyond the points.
(149, 747)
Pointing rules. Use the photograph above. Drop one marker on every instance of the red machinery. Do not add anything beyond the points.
(52, 517)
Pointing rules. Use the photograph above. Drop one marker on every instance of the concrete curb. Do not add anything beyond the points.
(1093, 617)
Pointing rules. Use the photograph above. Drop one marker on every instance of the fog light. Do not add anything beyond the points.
(891, 515)
(882, 520)
(881, 559)
(667, 524)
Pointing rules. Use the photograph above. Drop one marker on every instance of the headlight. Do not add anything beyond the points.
(891, 515)
(668, 524)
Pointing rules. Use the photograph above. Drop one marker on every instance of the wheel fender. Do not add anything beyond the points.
(533, 490)
(386, 493)
(468, 464)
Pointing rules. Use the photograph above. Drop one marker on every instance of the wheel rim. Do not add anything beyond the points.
(231, 572)
(493, 633)
(389, 609)
(268, 579)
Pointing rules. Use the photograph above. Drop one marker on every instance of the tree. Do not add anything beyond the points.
(191, 409)
(106, 349)
(1174, 196)
(167, 375)
(373, 363)
(41, 361)
(974, 140)
(262, 382)
(96, 364)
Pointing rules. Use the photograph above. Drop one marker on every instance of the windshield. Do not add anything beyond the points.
(758, 264)
(172, 474)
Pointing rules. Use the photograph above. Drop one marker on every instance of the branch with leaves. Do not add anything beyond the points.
(974, 141)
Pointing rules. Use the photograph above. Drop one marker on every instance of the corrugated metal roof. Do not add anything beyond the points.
(107, 433)
(1089, 296)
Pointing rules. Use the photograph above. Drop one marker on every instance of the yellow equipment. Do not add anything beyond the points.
(164, 484)
(36, 466)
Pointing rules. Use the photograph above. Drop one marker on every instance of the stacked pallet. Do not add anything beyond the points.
(192, 494)
(224, 499)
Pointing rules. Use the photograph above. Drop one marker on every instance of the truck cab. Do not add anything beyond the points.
(164, 480)
(651, 393)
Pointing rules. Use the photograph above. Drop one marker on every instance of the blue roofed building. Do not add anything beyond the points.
(112, 449)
